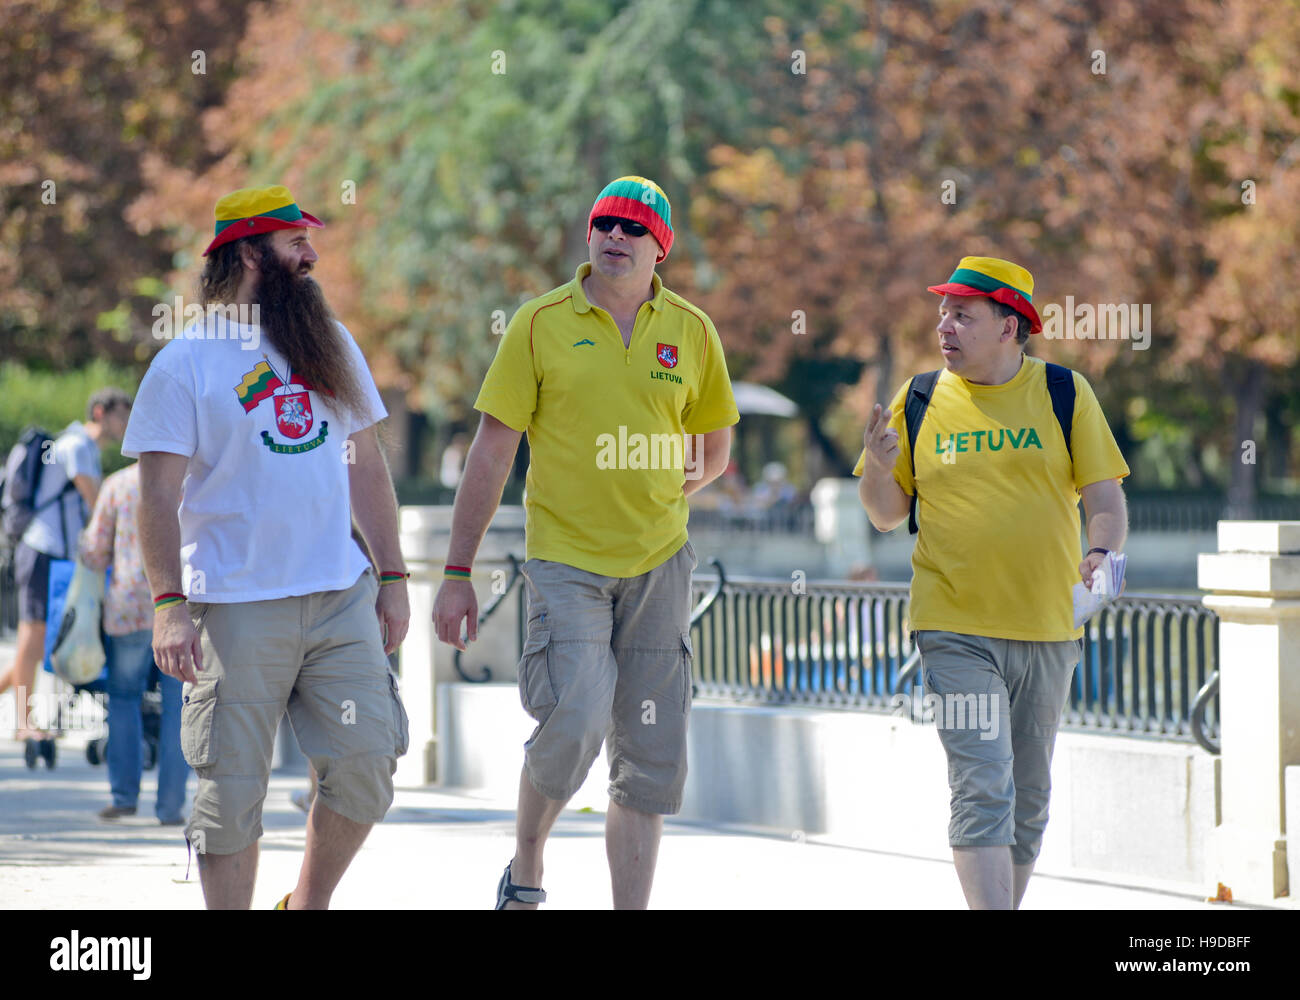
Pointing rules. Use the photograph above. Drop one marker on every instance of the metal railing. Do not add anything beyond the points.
(1146, 659)
(521, 620)
(774, 641)
(1147, 667)
(784, 519)
(1150, 661)
(1183, 514)
(1171, 513)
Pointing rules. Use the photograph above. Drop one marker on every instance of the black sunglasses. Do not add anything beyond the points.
(606, 224)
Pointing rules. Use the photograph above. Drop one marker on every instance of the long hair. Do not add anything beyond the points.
(223, 269)
(295, 318)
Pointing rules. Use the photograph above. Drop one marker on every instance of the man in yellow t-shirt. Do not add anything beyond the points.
(623, 390)
(997, 488)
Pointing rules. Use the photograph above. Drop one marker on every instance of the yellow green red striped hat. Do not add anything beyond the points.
(640, 200)
(250, 211)
(1000, 280)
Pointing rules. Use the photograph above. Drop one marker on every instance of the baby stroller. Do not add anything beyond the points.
(151, 721)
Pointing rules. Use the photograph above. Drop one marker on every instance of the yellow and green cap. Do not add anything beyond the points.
(250, 211)
(1000, 280)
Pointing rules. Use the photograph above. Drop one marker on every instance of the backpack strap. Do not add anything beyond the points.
(69, 485)
(916, 403)
(1060, 386)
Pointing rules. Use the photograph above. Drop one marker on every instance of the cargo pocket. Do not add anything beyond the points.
(688, 671)
(198, 717)
(401, 722)
(198, 614)
(535, 689)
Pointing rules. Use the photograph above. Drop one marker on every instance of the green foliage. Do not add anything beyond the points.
(480, 137)
(55, 399)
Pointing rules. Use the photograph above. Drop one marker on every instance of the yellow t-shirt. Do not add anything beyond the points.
(998, 549)
(606, 423)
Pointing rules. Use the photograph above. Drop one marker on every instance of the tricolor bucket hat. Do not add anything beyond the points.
(250, 211)
(640, 200)
(999, 280)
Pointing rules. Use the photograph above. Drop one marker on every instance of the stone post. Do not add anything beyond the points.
(426, 662)
(1255, 584)
(841, 525)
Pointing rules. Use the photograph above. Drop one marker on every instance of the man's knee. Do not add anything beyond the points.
(227, 816)
(558, 764)
(358, 787)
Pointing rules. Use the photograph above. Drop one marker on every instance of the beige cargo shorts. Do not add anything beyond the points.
(319, 657)
(609, 659)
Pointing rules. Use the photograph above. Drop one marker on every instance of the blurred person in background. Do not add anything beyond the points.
(65, 496)
(113, 539)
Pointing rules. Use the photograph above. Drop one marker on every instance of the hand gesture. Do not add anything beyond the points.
(881, 442)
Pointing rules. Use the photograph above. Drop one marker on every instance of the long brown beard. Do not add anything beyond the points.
(300, 325)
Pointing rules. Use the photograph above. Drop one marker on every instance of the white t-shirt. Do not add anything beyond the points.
(265, 506)
(75, 454)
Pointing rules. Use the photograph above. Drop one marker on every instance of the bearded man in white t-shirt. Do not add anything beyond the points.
(255, 428)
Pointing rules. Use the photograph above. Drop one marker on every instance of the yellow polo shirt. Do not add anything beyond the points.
(999, 545)
(606, 423)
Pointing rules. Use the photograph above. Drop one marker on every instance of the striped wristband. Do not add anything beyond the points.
(167, 601)
(455, 572)
(387, 578)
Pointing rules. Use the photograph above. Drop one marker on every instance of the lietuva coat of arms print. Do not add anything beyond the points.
(291, 401)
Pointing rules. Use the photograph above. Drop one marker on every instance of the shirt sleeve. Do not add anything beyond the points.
(96, 544)
(79, 456)
(1092, 445)
(715, 405)
(162, 418)
(376, 411)
(902, 464)
(509, 390)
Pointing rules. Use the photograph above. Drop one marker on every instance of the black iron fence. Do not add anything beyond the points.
(1193, 512)
(1145, 660)
(1163, 513)
(784, 519)
(848, 645)
(790, 641)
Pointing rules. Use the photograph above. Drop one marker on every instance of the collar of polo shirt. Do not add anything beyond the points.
(582, 305)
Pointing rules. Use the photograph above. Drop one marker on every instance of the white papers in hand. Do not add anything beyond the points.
(1107, 582)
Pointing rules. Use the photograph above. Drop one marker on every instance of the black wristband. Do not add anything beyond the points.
(1104, 552)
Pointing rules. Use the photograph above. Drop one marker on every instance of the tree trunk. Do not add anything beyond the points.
(884, 371)
(834, 458)
(1248, 392)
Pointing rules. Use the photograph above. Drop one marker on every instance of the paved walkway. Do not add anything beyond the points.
(445, 849)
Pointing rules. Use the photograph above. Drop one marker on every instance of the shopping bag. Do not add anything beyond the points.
(77, 654)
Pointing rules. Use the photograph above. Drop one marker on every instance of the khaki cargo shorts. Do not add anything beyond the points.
(318, 656)
(999, 709)
(609, 659)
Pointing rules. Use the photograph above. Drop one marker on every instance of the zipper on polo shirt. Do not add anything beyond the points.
(627, 352)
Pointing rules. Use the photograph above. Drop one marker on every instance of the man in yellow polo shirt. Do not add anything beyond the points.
(997, 486)
(623, 390)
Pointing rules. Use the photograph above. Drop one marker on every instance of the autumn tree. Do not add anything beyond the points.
(88, 92)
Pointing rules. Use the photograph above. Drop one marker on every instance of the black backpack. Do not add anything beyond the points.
(1060, 385)
(20, 482)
